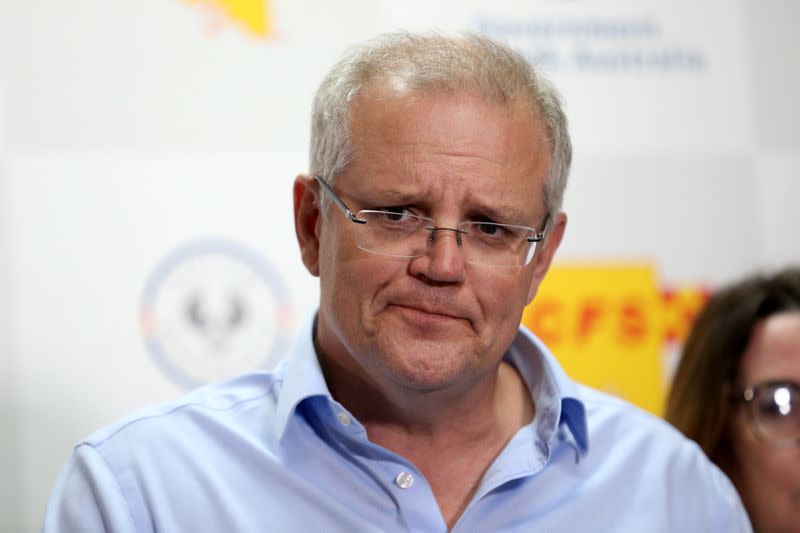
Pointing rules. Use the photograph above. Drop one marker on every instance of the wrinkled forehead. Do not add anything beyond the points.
(425, 141)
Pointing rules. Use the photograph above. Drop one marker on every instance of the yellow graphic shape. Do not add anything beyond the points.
(604, 323)
(252, 15)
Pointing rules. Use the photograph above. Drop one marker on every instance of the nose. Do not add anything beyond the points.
(443, 260)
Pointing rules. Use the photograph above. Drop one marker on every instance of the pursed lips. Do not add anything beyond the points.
(433, 311)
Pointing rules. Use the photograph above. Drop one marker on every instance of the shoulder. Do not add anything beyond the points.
(119, 473)
(212, 409)
(607, 412)
(659, 467)
(615, 424)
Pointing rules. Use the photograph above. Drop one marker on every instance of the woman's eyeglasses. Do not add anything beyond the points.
(773, 408)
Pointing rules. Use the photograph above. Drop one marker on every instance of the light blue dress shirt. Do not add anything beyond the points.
(275, 452)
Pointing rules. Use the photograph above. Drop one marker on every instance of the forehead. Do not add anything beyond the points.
(447, 136)
(774, 350)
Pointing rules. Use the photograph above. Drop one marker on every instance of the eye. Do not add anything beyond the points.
(396, 213)
(493, 230)
(770, 409)
(488, 228)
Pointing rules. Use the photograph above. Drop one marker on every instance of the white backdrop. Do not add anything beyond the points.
(130, 130)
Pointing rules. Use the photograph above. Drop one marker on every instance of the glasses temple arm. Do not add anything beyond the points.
(338, 201)
(540, 235)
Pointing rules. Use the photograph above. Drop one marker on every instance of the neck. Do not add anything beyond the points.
(451, 434)
(485, 411)
(486, 403)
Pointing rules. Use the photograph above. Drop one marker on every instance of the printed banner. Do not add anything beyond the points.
(614, 327)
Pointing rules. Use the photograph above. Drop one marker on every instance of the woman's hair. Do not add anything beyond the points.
(700, 401)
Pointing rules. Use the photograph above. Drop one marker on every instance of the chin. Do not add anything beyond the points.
(425, 366)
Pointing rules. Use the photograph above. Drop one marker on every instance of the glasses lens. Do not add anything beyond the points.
(501, 245)
(395, 233)
(776, 409)
(399, 233)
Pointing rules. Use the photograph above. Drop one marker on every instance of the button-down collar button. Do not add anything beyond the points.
(404, 480)
(343, 418)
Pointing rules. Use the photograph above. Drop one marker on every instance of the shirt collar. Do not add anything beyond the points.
(301, 375)
(555, 395)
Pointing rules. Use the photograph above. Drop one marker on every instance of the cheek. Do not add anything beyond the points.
(503, 296)
(765, 469)
(339, 258)
(338, 278)
(778, 467)
(353, 278)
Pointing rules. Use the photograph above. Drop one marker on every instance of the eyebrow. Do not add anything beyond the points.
(502, 212)
(385, 197)
(395, 196)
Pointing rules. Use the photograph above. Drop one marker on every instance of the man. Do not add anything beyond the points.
(412, 401)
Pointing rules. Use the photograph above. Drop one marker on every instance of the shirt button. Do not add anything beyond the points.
(343, 418)
(404, 480)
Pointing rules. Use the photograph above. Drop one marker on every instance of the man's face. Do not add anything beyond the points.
(434, 321)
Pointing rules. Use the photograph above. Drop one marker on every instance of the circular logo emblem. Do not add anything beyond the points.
(212, 310)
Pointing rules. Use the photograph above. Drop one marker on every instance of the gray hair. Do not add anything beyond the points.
(410, 63)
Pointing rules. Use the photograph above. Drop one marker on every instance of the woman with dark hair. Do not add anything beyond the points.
(737, 393)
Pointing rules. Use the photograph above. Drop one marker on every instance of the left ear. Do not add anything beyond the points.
(546, 251)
